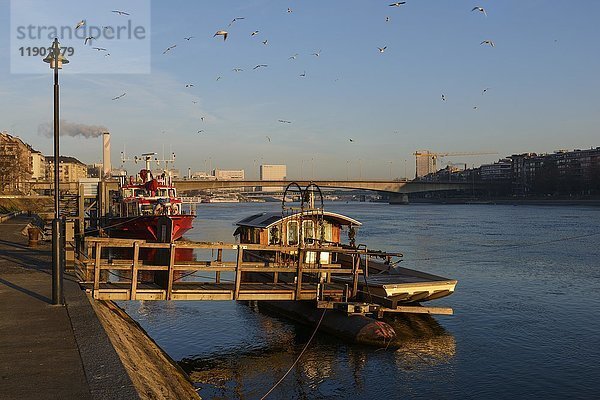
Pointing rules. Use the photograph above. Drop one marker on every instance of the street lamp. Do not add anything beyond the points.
(56, 61)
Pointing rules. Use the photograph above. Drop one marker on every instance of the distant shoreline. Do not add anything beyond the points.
(532, 202)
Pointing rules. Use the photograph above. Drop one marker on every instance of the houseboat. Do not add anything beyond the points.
(320, 237)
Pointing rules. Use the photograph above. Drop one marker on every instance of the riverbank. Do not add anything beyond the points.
(529, 202)
(84, 349)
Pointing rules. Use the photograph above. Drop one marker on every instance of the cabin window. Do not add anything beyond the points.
(172, 193)
(292, 233)
(147, 209)
(308, 231)
(274, 235)
(328, 232)
(254, 235)
(127, 193)
(131, 209)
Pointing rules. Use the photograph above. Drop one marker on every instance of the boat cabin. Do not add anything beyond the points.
(147, 196)
(273, 228)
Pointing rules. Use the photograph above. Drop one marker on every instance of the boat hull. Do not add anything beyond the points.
(147, 227)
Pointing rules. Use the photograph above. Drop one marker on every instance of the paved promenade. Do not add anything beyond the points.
(48, 351)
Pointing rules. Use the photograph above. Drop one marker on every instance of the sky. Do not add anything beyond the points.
(352, 111)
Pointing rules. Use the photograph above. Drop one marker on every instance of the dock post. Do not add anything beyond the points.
(171, 271)
(355, 266)
(97, 270)
(89, 271)
(238, 272)
(299, 276)
(219, 260)
(134, 270)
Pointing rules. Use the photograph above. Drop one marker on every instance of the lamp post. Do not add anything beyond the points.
(56, 61)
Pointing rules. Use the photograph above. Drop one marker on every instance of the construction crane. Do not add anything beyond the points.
(426, 161)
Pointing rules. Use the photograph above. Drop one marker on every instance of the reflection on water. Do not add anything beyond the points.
(524, 325)
(247, 373)
(421, 341)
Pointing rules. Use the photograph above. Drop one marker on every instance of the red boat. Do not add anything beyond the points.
(147, 208)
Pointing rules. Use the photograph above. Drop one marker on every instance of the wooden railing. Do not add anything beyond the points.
(276, 272)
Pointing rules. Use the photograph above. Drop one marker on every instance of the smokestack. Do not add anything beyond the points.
(106, 167)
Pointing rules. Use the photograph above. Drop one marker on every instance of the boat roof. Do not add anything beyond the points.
(268, 219)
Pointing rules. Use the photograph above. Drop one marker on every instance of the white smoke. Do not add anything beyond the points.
(72, 129)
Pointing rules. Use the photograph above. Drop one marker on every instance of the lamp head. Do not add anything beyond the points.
(55, 56)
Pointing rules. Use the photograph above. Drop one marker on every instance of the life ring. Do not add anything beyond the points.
(174, 209)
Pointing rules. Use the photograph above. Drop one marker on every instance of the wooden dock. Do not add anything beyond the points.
(129, 269)
(175, 276)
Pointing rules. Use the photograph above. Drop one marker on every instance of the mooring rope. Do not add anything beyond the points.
(297, 358)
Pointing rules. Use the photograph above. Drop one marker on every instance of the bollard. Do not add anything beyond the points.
(34, 236)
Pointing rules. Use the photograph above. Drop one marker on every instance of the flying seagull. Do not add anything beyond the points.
(474, 107)
(88, 39)
(99, 48)
(189, 85)
(293, 57)
(202, 119)
(189, 38)
(120, 12)
(397, 4)
(382, 49)
(480, 9)
(443, 97)
(289, 10)
(119, 96)
(260, 65)
(169, 48)
(387, 19)
(351, 140)
(218, 77)
(201, 130)
(107, 54)
(235, 19)
(221, 33)
(194, 102)
(254, 33)
(80, 24)
(269, 139)
(488, 42)
(283, 121)
(265, 42)
(484, 91)
(303, 74)
(317, 54)
(237, 70)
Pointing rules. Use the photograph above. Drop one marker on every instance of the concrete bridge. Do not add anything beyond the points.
(389, 186)
(398, 189)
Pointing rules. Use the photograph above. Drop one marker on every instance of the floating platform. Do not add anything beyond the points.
(129, 269)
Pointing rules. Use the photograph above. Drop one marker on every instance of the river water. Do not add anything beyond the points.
(526, 321)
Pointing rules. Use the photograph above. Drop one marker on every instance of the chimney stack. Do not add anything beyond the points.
(106, 167)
